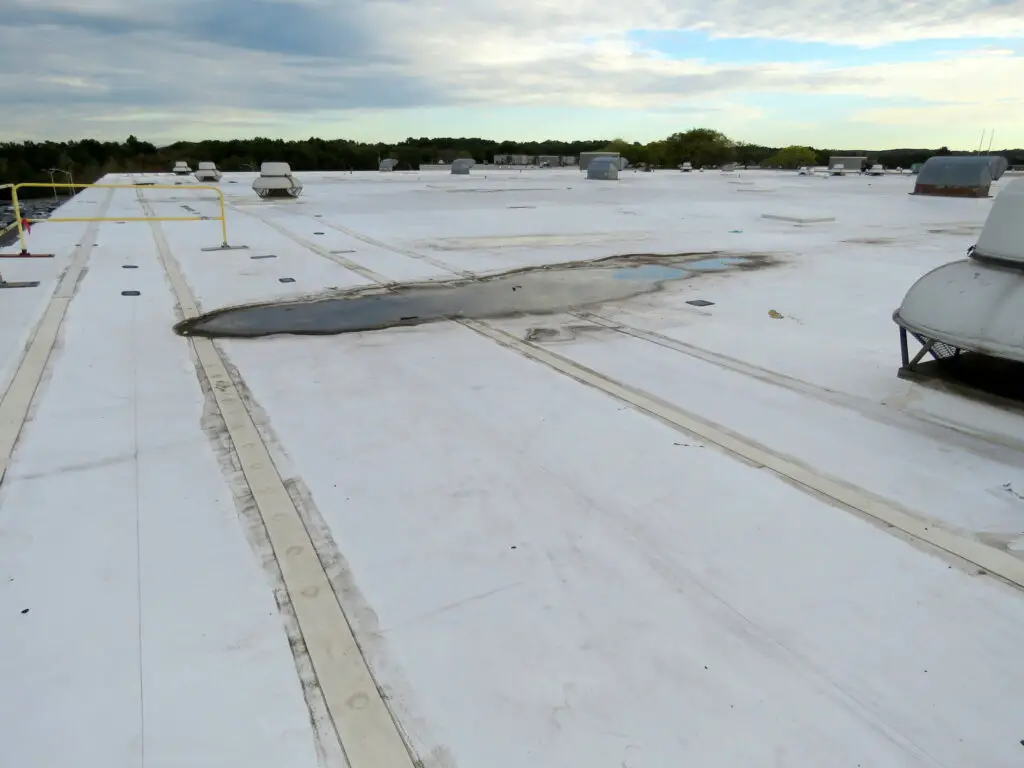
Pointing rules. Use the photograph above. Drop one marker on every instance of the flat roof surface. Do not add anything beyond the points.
(638, 533)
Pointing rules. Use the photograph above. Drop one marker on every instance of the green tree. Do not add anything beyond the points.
(700, 146)
(791, 157)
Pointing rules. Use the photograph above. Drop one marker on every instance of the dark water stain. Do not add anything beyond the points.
(537, 290)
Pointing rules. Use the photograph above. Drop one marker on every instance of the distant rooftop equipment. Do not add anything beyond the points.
(181, 168)
(461, 166)
(955, 176)
(967, 315)
(207, 171)
(998, 165)
(586, 158)
(276, 180)
(686, 167)
(603, 168)
(876, 170)
(837, 170)
(849, 163)
(387, 164)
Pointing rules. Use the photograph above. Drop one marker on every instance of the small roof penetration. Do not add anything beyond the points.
(955, 176)
(603, 169)
(276, 180)
(462, 165)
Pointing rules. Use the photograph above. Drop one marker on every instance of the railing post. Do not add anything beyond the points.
(223, 220)
(17, 220)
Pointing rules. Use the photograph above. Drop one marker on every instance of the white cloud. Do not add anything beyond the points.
(208, 67)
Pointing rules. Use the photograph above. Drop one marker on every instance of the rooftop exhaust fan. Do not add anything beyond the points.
(276, 180)
(461, 166)
(181, 168)
(973, 308)
(207, 172)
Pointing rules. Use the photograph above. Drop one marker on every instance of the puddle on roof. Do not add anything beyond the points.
(715, 265)
(649, 272)
(539, 290)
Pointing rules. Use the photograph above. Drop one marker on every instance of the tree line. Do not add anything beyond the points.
(89, 159)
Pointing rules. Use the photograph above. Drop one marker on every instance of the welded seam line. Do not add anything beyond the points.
(369, 736)
(878, 412)
(977, 553)
(17, 400)
(354, 266)
(982, 555)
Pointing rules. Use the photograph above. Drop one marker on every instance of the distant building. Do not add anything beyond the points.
(849, 164)
(514, 160)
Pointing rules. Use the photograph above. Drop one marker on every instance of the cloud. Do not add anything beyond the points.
(186, 68)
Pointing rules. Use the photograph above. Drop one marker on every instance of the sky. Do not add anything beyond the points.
(871, 74)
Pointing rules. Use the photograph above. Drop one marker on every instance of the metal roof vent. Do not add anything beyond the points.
(276, 180)
(603, 168)
(977, 304)
(207, 171)
(181, 168)
(956, 176)
(387, 164)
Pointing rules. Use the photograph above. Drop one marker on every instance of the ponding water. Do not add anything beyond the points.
(534, 291)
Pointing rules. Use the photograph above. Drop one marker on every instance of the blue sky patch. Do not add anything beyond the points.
(692, 44)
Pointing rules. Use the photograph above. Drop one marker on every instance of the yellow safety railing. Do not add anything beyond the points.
(36, 185)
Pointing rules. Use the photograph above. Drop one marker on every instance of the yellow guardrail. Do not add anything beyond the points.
(57, 219)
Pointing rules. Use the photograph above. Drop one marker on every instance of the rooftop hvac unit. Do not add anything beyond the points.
(276, 180)
(207, 171)
(955, 176)
(603, 168)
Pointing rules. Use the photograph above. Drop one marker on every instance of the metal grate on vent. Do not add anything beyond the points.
(940, 350)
